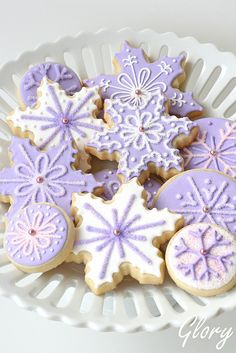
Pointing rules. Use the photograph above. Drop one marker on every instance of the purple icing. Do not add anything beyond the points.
(62, 74)
(204, 254)
(138, 79)
(215, 147)
(142, 136)
(120, 232)
(42, 176)
(36, 235)
(201, 196)
(111, 184)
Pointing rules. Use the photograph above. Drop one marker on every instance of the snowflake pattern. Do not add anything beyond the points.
(215, 147)
(138, 80)
(58, 117)
(119, 232)
(36, 235)
(62, 74)
(202, 196)
(142, 136)
(204, 256)
(42, 176)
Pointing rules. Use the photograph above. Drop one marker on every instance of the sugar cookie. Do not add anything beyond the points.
(138, 79)
(58, 117)
(143, 141)
(201, 259)
(214, 148)
(39, 237)
(37, 176)
(66, 77)
(120, 237)
(201, 195)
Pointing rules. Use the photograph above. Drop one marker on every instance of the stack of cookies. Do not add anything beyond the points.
(170, 199)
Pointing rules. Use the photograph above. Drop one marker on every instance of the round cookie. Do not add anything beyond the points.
(37, 176)
(143, 141)
(66, 77)
(58, 118)
(214, 148)
(201, 259)
(120, 237)
(39, 237)
(111, 184)
(201, 195)
(137, 79)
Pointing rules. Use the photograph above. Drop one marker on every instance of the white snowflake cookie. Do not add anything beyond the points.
(39, 237)
(58, 117)
(120, 237)
(143, 140)
(201, 259)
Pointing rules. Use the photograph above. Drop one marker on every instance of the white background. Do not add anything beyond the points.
(23, 25)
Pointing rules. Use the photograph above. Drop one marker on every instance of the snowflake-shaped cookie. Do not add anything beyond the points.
(37, 176)
(201, 258)
(143, 140)
(120, 237)
(215, 147)
(137, 80)
(201, 195)
(55, 72)
(57, 118)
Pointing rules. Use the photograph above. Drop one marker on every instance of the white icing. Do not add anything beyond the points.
(119, 202)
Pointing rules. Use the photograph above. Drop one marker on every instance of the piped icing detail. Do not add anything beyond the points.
(37, 176)
(142, 136)
(139, 79)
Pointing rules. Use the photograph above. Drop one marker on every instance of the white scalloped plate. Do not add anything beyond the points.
(62, 294)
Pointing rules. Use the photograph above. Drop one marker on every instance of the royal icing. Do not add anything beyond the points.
(58, 117)
(37, 176)
(139, 79)
(215, 147)
(66, 77)
(36, 235)
(201, 196)
(118, 232)
(202, 256)
(111, 184)
(143, 136)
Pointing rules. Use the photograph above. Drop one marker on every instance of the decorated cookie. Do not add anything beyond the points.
(37, 176)
(39, 237)
(111, 184)
(143, 141)
(201, 259)
(67, 79)
(201, 195)
(137, 80)
(120, 237)
(57, 118)
(215, 147)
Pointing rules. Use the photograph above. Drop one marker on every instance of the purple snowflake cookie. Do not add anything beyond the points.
(139, 79)
(111, 184)
(201, 258)
(37, 176)
(201, 195)
(215, 147)
(143, 140)
(66, 77)
(39, 237)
